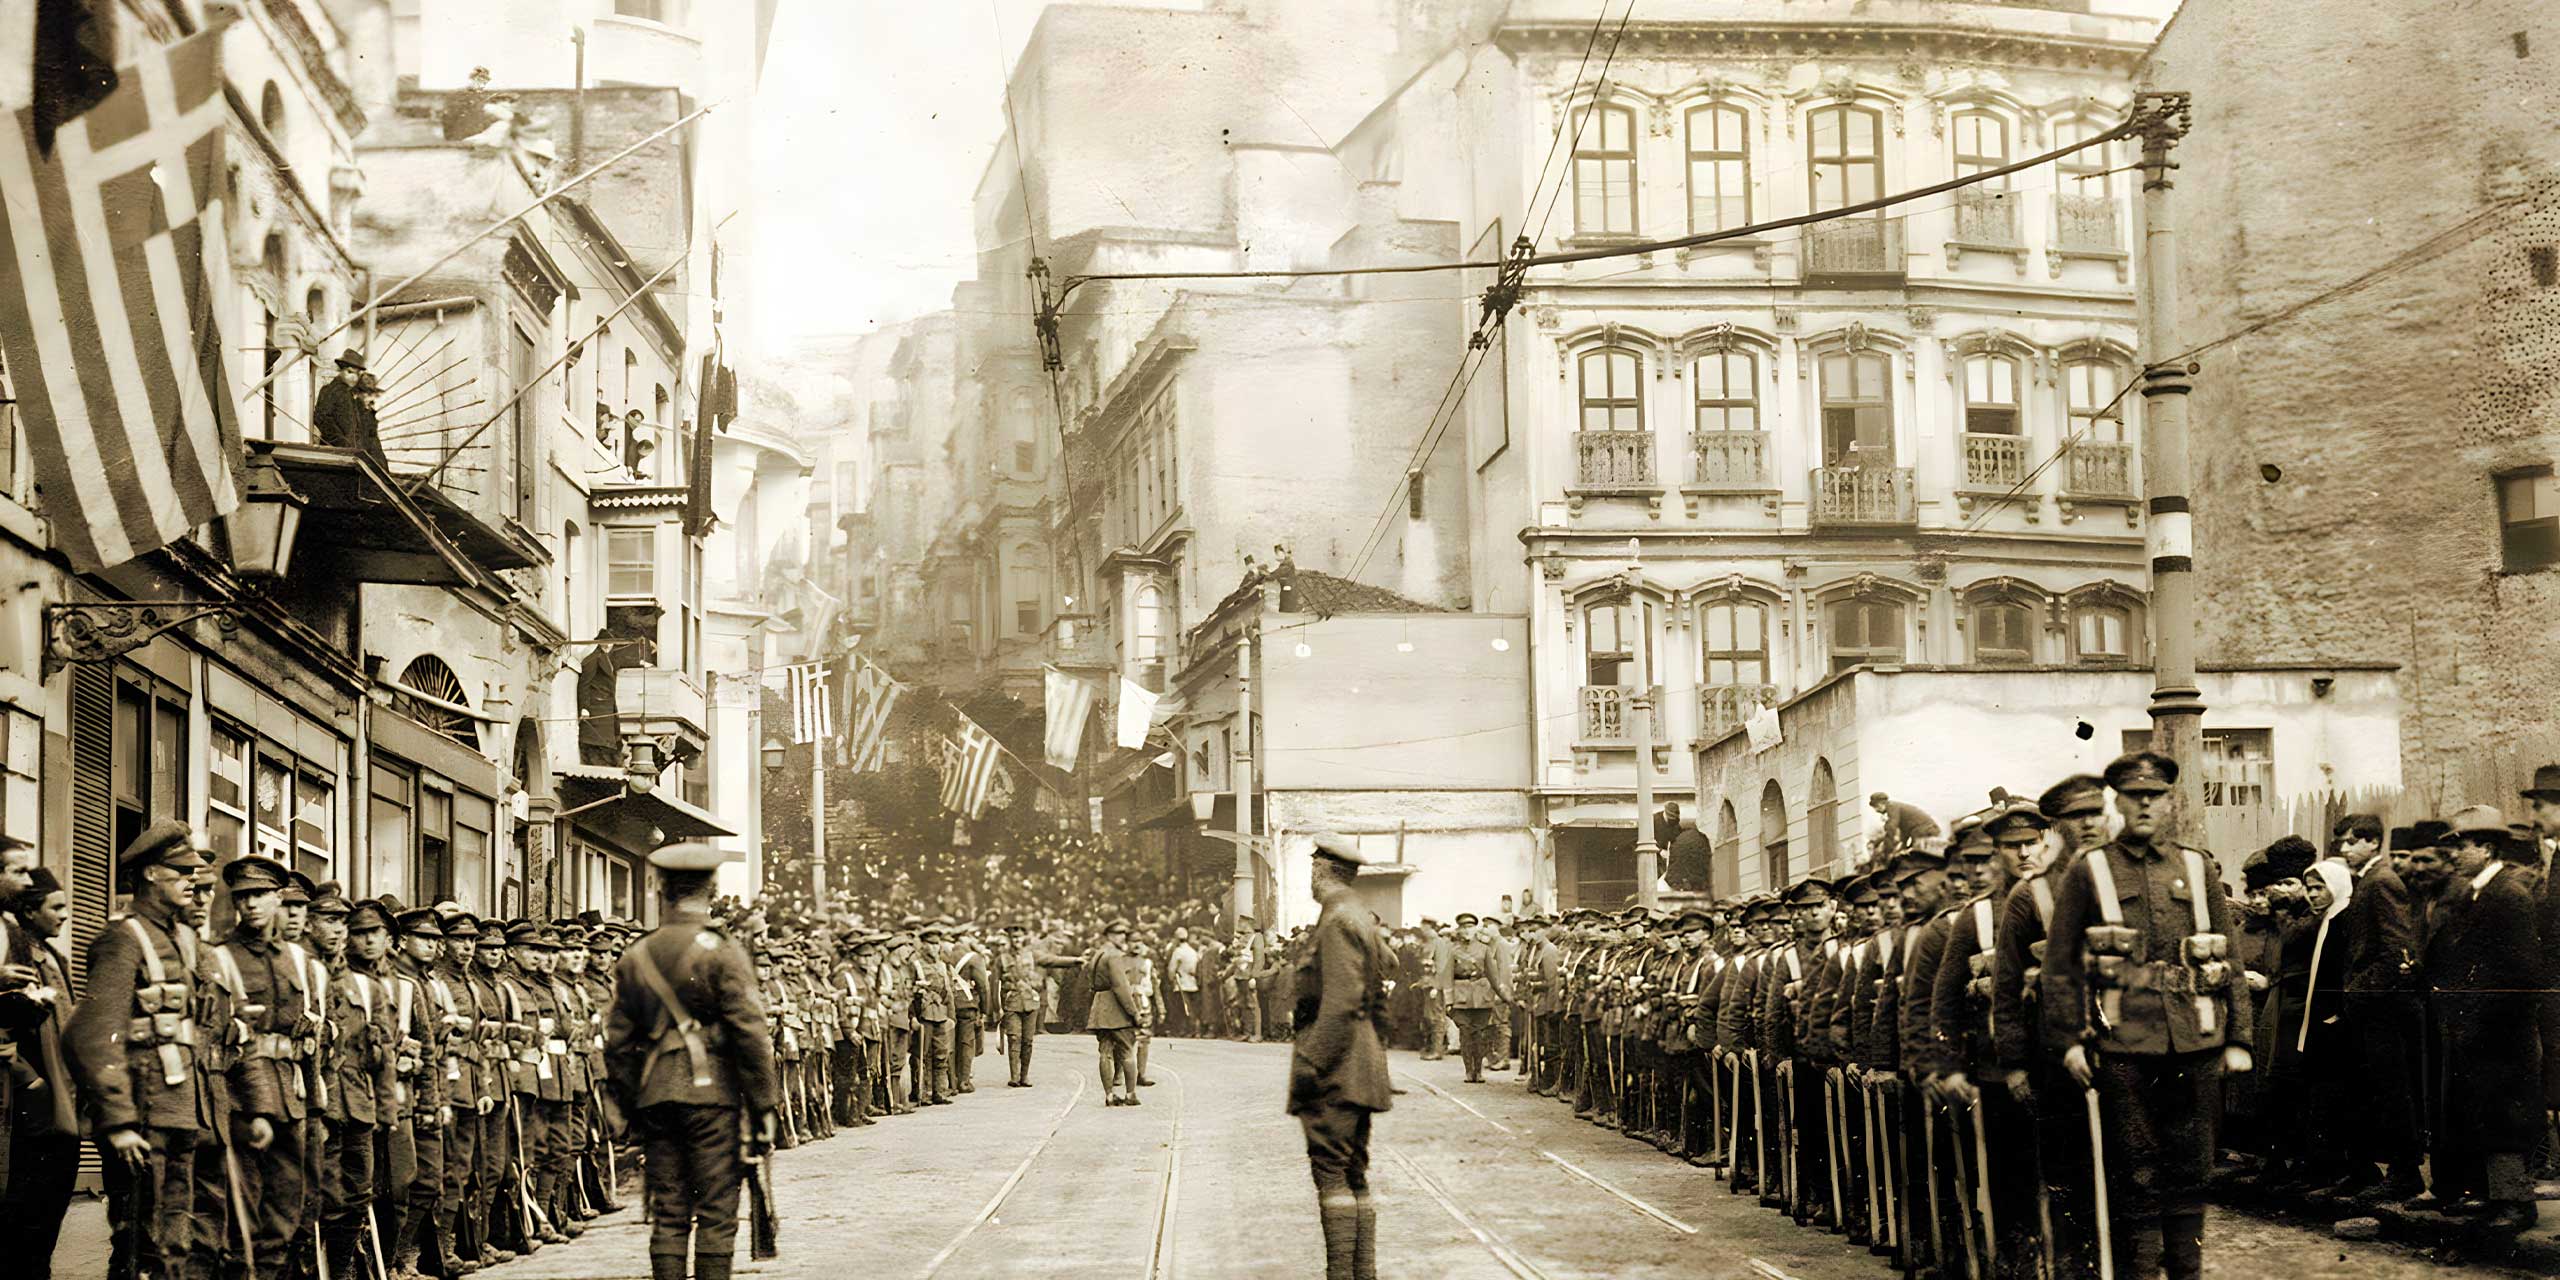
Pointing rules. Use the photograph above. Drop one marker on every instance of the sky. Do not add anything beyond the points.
(873, 123)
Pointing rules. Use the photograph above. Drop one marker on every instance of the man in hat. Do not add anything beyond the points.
(1338, 1059)
(897, 998)
(44, 1127)
(2074, 813)
(1926, 1159)
(578, 1022)
(474, 1149)
(1022, 974)
(1686, 1039)
(1797, 1080)
(2483, 967)
(315, 1068)
(141, 1090)
(856, 979)
(1977, 1086)
(1244, 1003)
(973, 981)
(2141, 931)
(267, 983)
(359, 1081)
(333, 410)
(1473, 988)
(686, 1051)
(935, 1004)
(1113, 1016)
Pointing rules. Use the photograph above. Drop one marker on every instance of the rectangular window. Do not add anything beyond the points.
(148, 749)
(525, 421)
(1737, 648)
(393, 827)
(1845, 150)
(1991, 395)
(1719, 169)
(2101, 635)
(2529, 520)
(2239, 765)
(1857, 410)
(1026, 600)
(314, 830)
(434, 875)
(631, 563)
(2097, 416)
(1604, 172)
(271, 803)
(473, 872)
(1865, 631)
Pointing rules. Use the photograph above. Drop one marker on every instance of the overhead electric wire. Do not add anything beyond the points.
(1583, 118)
(1597, 20)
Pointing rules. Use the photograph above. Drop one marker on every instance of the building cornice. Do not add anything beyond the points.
(1931, 39)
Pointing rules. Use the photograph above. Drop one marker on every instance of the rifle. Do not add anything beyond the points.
(1759, 1130)
(1929, 1163)
(1787, 1134)
(763, 1232)
(1868, 1127)
(1982, 1182)
(1966, 1191)
(373, 1231)
(1835, 1144)
(2098, 1182)
(239, 1205)
(526, 1212)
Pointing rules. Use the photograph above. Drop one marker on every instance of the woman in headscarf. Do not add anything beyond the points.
(2327, 1056)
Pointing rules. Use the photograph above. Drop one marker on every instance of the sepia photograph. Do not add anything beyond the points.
(1279, 639)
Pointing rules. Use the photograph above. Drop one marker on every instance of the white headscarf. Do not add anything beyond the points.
(2341, 883)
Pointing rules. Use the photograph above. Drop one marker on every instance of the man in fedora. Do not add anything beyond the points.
(334, 412)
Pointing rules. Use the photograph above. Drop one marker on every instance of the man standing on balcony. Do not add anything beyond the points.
(1689, 861)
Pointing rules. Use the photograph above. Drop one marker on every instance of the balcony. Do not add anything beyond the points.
(1863, 497)
(662, 703)
(1614, 462)
(1077, 641)
(1986, 221)
(2088, 227)
(2098, 473)
(1730, 459)
(1994, 461)
(1854, 250)
(1609, 721)
(1723, 707)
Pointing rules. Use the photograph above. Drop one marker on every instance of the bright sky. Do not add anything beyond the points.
(873, 124)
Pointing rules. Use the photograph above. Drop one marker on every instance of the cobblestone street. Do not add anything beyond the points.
(1208, 1180)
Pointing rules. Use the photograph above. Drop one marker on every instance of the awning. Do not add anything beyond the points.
(600, 793)
(487, 545)
(357, 517)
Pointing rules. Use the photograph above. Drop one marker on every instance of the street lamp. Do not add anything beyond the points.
(264, 528)
(773, 753)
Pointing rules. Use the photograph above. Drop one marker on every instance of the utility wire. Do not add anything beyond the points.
(1582, 119)
(1587, 46)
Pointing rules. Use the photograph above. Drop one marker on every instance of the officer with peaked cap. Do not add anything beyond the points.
(427, 1094)
(133, 1042)
(2152, 922)
(686, 1050)
(1338, 1059)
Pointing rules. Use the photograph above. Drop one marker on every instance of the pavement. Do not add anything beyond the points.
(1208, 1179)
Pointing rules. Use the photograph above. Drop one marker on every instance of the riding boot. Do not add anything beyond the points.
(1364, 1244)
(404, 1263)
(1340, 1213)
(666, 1266)
(713, 1266)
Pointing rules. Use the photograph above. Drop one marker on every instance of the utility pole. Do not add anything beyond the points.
(1640, 724)
(2177, 705)
(818, 825)
(1241, 766)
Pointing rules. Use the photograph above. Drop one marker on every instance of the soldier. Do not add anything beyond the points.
(1785, 1017)
(360, 1082)
(2143, 926)
(543, 1110)
(1435, 991)
(1974, 1085)
(293, 930)
(1862, 1017)
(490, 1061)
(1925, 1206)
(595, 983)
(1686, 1040)
(1338, 1060)
(141, 1090)
(424, 1075)
(1734, 1031)
(1474, 988)
(935, 1004)
(1112, 1017)
(686, 1051)
(2075, 811)
(457, 1013)
(1022, 970)
(897, 997)
(270, 1085)
(1244, 1003)
(568, 1047)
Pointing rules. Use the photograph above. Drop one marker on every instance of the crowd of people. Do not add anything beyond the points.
(2038, 1041)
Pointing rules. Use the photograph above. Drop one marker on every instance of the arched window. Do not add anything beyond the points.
(428, 675)
(2102, 634)
(1604, 172)
(1857, 409)
(1822, 821)
(1719, 168)
(1728, 444)
(2084, 191)
(1733, 663)
(1865, 629)
(1728, 854)
(1773, 836)
(271, 112)
(2004, 632)
(1981, 142)
(1991, 395)
(1845, 154)
(1612, 390)
(2097, 415)
(315, 308)
(1617, 641)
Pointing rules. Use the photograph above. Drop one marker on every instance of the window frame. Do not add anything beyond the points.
(2084, 417)
(1596, 153)
(1828, 403)
(1845, 164)
(2517, 553)
(1717, 157)
(2082, 612)
(1968, 163)
(1976, 633)
(1724, 406)
(1992, 364)
(1869, 654)
(1609, 404)
(1637, 662)
(1736, 655)
(615, 565)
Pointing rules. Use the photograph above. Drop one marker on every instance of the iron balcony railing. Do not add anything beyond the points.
(1871, 497)
(1723, 707)
(1613, 459)
(1854, 247)
(1993, 461)
(2086, 224)
(2100, 469)
(1731, 459)
(1987, 217)
(1608, 719)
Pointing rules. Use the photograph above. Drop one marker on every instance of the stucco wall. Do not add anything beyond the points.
(1468, 849)
(2387, 411)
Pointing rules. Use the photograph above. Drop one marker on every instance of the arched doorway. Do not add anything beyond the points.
(1822, 822)
(1728, 859)
(1773, 836)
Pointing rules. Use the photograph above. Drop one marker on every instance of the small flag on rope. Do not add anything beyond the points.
(1070, 702)
(968, 769)
(813, 711)
(875, 695)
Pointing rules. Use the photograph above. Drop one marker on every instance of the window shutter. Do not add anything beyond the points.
(93, 809)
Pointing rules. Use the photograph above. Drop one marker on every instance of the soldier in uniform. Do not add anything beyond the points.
(2143, 927)
(567, 1047)
(686, 1053)
(898, 996)
(935, 1004)
(133, 1044)
(1474, 988)
(1785, 1018)
(1112, 1017)
(457, 1013)
(270, 1086)
(1022, 970)
(489, 1060)
(423, 1072)
(2075, 811)
(1685, 1040)
(1244, 1003)
(358, 1073)
(595, 984)
(1973, 1083)
(1338, 1059)
(975, 998)
(293, 932)
(1926, 1206)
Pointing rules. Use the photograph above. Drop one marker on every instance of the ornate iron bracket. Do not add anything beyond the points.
(104, 630)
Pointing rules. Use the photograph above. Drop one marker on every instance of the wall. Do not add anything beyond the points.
(1467, 849)
(1356, 712)
(2387, 411)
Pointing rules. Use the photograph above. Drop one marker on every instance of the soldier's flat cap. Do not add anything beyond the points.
(252, 873)
(1466, 918)
(1339, 849)
(690, 855)
(603, 938)
(2077, 793)
(329, 899)
(1693, 918)
(1860, 890)
(1762, 911)
(297, 889)
(935, 929)
(366, 914)
(166, 843)
(463, 924)
(419, 922)
(1914, 862)
(2142, 773)
(532, 933)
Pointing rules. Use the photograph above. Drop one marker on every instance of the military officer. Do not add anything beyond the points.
(686, 1052)
(1022, 976)
(1475, 986)
(1112, 1017)
(271, 1086)
(2143, 926)
(1338, 1059)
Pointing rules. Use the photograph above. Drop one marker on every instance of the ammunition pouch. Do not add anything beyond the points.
(2112, 940)
(2203, 948)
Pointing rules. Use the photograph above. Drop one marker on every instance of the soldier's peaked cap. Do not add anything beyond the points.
(367, 914)
(166, 843)
(1761, 911)
(1341, 850)
(462, 924)
(2070, 793)
(2142, 773)
(1915, 862)
(1859, 890)
(329, 899)
(297, 888)
(2017, 817)
(1810, 891)
(530, 933)
(1469, 917)
(420, 922)
(1697, 917)
(252, 873)
(690, 855)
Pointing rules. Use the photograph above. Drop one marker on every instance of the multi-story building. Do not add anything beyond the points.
(2360, 496)
(1738, 468)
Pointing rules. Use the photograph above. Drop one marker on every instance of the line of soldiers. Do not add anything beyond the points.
(883, 1022)
(333, 1088)
(1890, 1056)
